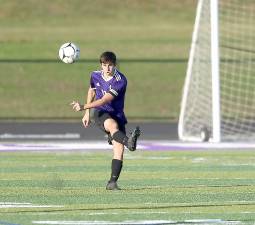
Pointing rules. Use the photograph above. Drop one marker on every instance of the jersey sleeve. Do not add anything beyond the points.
(116, 88)
(92, 83)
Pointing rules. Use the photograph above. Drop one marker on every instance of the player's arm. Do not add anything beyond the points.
(108, 97)
(90, 96)
(78, 107)
(99, 102)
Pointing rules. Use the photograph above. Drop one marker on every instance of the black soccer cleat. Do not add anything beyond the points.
(112, 186)
(132, 140)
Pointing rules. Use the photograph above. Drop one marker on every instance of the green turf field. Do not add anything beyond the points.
(151, 38)
(164, 185)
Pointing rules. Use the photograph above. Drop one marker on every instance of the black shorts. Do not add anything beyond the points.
(98, 117)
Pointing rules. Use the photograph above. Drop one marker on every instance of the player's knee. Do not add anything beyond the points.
(110, 125)
(120, 137)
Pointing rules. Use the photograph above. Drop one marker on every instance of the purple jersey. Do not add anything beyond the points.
(116, 86)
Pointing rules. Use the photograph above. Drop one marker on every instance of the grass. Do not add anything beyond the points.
(44, 96)
(163, 185)
(151, 39)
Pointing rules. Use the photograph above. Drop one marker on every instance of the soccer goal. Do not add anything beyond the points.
(218, 102)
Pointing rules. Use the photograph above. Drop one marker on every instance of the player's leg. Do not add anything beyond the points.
(116, 167)
(119, 135)
(104, 121)
(112, 127)
(119, 139)
(96, 118)
(131, 141)
(113, 132)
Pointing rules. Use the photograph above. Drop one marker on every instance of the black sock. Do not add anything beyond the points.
(120, 137)
(116, 169)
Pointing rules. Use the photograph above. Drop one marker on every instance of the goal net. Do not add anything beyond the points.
(218, 102)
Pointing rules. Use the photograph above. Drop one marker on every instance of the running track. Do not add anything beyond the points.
(75, 131)
(59, 136)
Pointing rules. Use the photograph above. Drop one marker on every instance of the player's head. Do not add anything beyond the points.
(108, 57)
(108, 63)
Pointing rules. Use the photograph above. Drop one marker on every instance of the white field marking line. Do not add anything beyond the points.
(236, 164)
(199, 160)
(40, 136)
(98, 214)
(129, 213)
(54, 146)
(131, 156)
(154, 222)
(207, 145)
(25, 205)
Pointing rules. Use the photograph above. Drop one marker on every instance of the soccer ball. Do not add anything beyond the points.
(69, 52)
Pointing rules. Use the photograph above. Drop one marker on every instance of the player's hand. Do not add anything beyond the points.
(86, 120)
(76, 106)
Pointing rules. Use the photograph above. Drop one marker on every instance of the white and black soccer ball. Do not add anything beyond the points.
(69, 52)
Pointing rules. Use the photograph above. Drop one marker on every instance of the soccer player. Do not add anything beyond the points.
(106, 95)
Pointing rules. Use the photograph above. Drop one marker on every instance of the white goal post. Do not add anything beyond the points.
(218, 102)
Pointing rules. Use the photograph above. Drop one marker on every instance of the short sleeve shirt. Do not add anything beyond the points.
(116, 86)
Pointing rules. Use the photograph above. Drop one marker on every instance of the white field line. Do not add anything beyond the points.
(40, 136)
(129, 213)
(25, 205)
(154, 222)
(208, 145)
(53, 146)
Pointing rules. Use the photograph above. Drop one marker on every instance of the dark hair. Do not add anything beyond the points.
(107, 57)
